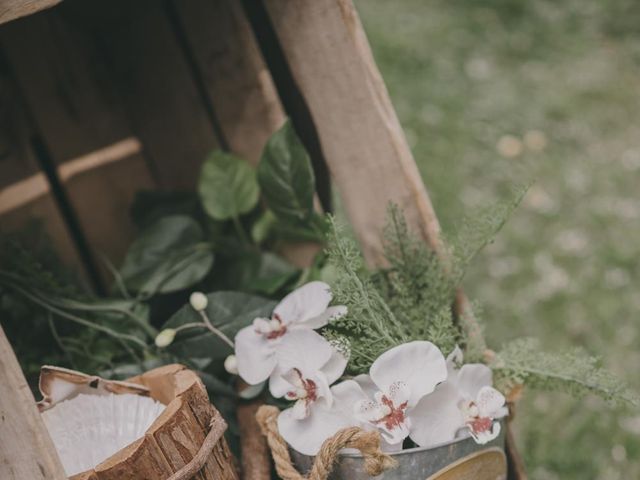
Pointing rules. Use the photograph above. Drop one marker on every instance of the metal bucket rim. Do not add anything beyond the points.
(406, 451)
(465, 436)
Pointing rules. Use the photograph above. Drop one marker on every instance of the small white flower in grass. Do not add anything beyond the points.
(398, 379)
(198, 301)
(293, 321)
(466, 401)
(165, 337)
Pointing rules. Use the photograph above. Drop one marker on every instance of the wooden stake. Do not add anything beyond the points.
(26, 450)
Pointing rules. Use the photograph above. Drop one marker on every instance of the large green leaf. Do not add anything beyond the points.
(227, 186)
(228, 311)
(169, 255)
(286, 177)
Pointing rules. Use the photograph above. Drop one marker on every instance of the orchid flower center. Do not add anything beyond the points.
(305, 389)
(388, 409)
(476, 423)
(270, 329)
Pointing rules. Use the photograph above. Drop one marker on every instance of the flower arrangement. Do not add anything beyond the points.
(345, 346)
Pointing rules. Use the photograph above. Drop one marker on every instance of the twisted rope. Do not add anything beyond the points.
(217, 428)
(375, 461)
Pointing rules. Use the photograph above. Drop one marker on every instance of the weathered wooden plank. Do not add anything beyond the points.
(361, 137)
(154, 77)
(12, 9)
(233, 72)
(26, 450)
(25, 193)
(76, 111)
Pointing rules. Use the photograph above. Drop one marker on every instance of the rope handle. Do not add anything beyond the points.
(216, 430)
(375, 461)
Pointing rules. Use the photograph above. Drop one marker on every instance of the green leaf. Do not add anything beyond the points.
(263, 227)
(228, 311)
(227, 186)
(286, 177)
(170, 255)
(272, 274)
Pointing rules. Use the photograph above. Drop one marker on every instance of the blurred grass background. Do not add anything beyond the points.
(503, 91)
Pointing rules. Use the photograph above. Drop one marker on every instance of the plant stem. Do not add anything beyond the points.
(240, 230)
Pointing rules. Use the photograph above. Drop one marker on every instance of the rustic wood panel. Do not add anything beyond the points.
(233, 72)
(361, 138)
(76, 111)
(25, 193)
(157, 85)
(12, 9)
(26, 450)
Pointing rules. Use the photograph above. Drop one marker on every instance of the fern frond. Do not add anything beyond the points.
(573, 372)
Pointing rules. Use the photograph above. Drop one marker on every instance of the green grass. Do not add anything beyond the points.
(465, 74)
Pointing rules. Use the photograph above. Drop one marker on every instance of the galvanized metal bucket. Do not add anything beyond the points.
(459, 459)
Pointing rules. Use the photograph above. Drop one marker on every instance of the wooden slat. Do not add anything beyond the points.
(26, 450)
(12, 9)
(25, 193)
(362, 140)
(62, 75)
(157, 84)
(233, 72)
(364, 146)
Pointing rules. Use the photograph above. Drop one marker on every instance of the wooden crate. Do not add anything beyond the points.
(102, 98)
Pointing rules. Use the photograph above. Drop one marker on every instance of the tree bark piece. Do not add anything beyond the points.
(26, 450)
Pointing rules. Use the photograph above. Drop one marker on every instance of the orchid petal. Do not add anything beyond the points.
(367, 385)
(278, 386)
(330, 314)
(304, 303)
(472, 377)
(305, 350)
(255, 356)
(334, 368)
(346, 395)
(436, 418)
(420, 365)
(306, 436)
(368, 411)
(300, 409)
(489, 401)
(397, 433)
(399, 393)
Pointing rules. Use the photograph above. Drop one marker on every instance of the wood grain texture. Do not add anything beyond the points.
(175, 437)
(363, 143)
(64, 79)
(12, 9)
(490, 464)
(26, 450)
(153, 74)
(233, 72)
(25, 193)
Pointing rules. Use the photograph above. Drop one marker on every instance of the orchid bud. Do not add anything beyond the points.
(165, 337)
(231, 364)
(198, 301)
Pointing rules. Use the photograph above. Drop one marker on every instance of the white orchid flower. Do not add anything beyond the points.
(293, 321)
(386, 398)
(465, 401)
(303, 376)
